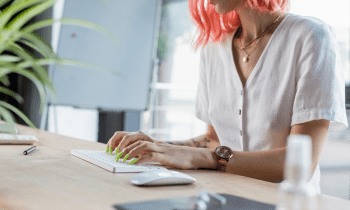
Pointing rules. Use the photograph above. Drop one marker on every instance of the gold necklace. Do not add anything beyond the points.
(245, 59)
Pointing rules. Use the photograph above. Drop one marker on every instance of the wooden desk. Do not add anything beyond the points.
(51, 178)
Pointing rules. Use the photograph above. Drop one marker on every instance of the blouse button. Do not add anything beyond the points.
(239, 112)
(241, 92)
(241, 133)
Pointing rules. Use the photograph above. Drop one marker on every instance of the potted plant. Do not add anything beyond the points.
(23, 62)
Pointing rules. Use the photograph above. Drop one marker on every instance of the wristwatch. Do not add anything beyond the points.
(223, 155)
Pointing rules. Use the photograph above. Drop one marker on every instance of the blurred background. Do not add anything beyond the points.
(168, 103)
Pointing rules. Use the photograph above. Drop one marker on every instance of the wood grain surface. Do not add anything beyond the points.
(52, 178)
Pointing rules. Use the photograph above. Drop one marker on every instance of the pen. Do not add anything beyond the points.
(29, 150)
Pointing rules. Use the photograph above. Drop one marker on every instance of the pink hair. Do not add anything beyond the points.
(217, 26)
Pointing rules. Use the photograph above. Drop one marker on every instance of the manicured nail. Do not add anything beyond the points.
(126, 157)
(107, 149)
(110, 150)
(118, 156)
(116, 151)
(133, 161)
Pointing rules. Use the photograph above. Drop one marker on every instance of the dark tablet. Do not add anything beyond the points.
(183, 203)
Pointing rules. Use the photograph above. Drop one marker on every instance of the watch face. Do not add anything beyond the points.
(224, 152)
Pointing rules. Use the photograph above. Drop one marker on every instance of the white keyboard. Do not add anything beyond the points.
(17, 139)
(108, 162)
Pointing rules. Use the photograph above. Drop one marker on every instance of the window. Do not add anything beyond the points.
(172, 112)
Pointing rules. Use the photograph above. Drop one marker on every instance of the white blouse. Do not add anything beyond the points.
(298, 78)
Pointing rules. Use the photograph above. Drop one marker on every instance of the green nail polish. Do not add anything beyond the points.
(116, 151)
(133, 161)
(110, 150)
(118, 156)
(107, 149)
(126, 157)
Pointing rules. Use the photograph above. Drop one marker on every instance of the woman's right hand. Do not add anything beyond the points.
(124, 139)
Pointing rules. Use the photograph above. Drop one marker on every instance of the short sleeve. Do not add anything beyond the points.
(202, 98)
(320, 89)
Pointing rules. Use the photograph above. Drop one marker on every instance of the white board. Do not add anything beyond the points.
(135, 23)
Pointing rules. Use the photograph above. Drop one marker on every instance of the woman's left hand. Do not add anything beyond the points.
(181, 157)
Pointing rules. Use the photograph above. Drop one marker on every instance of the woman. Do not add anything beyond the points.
(265, 74)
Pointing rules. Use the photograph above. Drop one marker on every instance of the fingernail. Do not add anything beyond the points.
(116, 151)
(107, 149)
(110, 150)
(118, 156)
(126, 157)
(133, 161)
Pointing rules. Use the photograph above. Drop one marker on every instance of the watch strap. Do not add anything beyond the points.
(221, 163)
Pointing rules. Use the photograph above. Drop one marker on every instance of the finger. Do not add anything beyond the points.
(141, 144)
(150, 157)
(115, 139)
(109, 144)
(142, 147)
(110, 140)
(127, 149)
(129, 139)
(140, 155)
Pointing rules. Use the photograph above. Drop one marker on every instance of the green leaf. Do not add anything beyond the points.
(3, 2)
(18, 112)
(31, 77)
(14, 8)
(45, 48)
(26, 64)
(13, 94)
(71, 21)
(4, 71)
(16, 1)
(91, 25)
(20, 69)
(5, 80)
(38, 25)
(5, 37)
(39, 50)
(15, 45)
(9, 58)
(28, 14)
(6, 115)
(42, 73)
(8, 33)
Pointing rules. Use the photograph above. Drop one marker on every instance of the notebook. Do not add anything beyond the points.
(108, 162)
(8, 128)
(6, 138)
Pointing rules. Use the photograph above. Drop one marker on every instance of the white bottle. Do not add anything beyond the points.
(294, 192)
